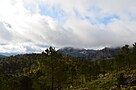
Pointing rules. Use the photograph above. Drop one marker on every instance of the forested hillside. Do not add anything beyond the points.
(51, 70)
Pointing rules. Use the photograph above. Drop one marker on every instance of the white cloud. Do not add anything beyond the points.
(23, 28)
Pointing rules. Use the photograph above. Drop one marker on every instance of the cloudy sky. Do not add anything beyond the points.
(33, 25)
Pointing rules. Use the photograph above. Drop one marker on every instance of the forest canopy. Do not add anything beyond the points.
(51, 70)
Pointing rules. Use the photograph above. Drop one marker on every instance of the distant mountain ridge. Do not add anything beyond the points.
(2, 56)
(89, 54)
(8, 54)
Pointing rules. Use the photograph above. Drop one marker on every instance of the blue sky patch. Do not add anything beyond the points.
(90, 19)
(107, 19)
(77, 14)
(55, 12)
(94, 9)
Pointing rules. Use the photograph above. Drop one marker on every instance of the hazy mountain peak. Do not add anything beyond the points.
(89, 54)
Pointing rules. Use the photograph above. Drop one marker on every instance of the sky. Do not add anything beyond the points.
(33, 25)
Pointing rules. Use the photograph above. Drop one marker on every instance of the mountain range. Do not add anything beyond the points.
(88, 54)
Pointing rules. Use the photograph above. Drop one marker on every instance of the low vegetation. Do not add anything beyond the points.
(54, 71)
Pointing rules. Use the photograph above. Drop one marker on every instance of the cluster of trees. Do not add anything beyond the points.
(126, 57)
(54, 71)
(18, 63)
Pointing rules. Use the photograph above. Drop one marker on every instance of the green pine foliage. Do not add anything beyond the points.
(54, 71)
